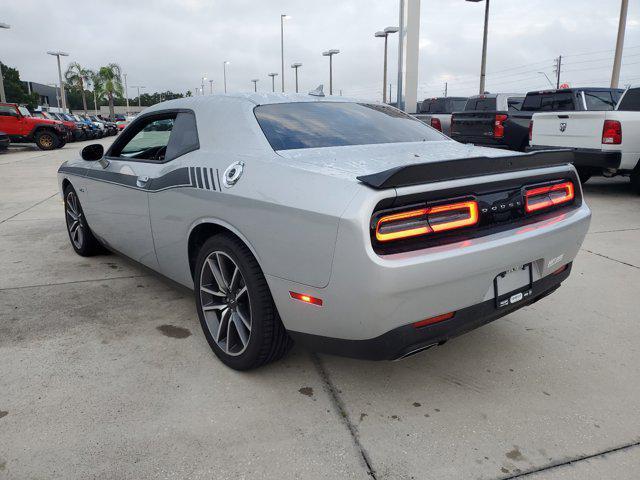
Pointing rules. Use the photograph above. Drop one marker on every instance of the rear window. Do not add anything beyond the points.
(458, 105)
(631, 101)
(554, 102)
(290, 126)
(480, 104)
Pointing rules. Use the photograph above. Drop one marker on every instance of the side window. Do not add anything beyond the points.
(599, 100)
(471, 105)
(7, 111)
(151, 140)
(631, 101)
(159, 138)
(514, 104)
(532, 102)
(184, 136)
(438, 106)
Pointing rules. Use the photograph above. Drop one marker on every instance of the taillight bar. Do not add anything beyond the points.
(435, 123)
(422, 221)
(548, 196)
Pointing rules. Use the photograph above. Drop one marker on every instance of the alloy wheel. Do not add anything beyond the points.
(225, 303)
(75, 225)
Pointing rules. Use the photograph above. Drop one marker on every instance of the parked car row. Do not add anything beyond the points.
(582, 119)
(49, 130)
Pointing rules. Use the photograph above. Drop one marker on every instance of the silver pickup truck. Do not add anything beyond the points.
(437, 112)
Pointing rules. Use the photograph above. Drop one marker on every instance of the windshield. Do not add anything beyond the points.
(24, 111)
(330, 124)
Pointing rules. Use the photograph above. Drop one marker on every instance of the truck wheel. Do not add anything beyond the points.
(235, 307)
(635, 180)
(584, 174)
(80, 235)
(47, 140)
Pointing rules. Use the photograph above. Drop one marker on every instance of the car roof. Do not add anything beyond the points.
(573, 89)
(252, 98)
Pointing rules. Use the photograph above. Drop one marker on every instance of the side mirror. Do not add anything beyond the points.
(93, 152)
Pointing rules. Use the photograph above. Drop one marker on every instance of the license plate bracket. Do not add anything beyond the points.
(513, 286)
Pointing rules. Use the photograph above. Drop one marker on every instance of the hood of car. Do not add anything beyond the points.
(355, 160)
(43, 120)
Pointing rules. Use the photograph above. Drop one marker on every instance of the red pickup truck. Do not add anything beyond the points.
(21, 126)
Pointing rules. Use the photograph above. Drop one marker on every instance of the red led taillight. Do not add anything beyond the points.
(539, 198)
(427, 220)
(611, 132)
(530, 130)
(435, 123)
(498, 125)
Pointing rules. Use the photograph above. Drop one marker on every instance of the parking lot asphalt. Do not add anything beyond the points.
(105, 373)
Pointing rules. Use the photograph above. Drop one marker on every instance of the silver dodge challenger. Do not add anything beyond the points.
(348, 227)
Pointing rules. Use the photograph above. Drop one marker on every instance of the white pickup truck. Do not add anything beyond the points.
(606, 142)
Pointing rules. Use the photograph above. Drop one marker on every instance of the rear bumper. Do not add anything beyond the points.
(406, 340)
(586, 157)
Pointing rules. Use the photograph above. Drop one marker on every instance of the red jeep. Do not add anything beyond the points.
(18, 123)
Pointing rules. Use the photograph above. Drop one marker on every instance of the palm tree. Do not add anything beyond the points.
(110, 83)
(77, 77)
(98, 91)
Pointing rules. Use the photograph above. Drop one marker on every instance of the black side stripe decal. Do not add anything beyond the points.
(180, 177)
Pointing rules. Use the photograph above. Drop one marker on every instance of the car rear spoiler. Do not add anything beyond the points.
(421, 173)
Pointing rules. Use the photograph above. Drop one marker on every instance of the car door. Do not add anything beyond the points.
(9, 120)
(117, 205)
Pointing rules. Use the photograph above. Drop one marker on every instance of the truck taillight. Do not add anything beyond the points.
(435, 123)
(498, 125)
(422, 221)
(612, 132)
(530, 130)
(539, 198)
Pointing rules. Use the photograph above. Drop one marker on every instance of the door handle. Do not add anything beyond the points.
(142, 181)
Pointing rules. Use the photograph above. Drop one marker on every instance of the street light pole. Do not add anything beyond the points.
(126, 90)
(3, 97)
(211, 87)
(483, 65)
(273, 76)
(224, 71)
(204, 79)
(385, 33)
(138, 87)
(255, 84)
(283, 17)
(330, 54)
(617, 62)
(62, 94)
(296, 66)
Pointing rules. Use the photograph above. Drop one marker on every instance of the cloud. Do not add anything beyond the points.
(167, 44)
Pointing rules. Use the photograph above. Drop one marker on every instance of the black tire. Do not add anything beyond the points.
(584, 174)
(84, 243)
(267, 339)
(635, 180)
(47, 140)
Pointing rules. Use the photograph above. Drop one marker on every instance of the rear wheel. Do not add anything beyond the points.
(235, 307)
(47, 140)
(82, 240)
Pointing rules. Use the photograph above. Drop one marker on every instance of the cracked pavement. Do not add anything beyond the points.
(105, 373)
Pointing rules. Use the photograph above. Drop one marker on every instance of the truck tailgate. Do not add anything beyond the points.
(568, 129)
(473, 124)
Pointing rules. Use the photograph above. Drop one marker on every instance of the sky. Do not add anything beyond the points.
(171, 45)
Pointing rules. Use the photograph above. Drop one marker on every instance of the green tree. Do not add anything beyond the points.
(110, 82)
(77, 78)
(15, 89)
